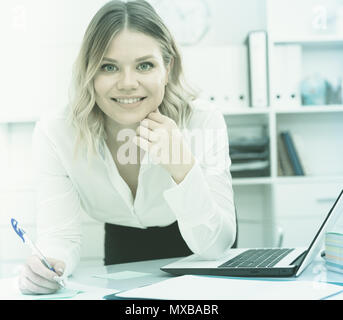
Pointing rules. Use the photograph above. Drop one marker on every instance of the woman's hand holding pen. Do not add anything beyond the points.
(160, 136)
(36, 278)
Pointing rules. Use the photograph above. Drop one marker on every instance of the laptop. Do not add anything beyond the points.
(259, 262)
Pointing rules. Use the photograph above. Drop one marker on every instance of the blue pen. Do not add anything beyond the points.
(23, 236)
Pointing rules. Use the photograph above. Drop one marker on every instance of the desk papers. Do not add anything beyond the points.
(221, 288)
(9, 291)
(122, 275)
(74, 291)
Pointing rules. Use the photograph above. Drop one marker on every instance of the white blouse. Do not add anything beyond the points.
(66, 186)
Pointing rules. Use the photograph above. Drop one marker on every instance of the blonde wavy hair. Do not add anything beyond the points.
(113, 17)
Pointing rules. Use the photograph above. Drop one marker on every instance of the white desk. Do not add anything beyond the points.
(152, 274)
(314, 272)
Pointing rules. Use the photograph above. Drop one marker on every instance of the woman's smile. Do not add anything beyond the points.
(128, 102)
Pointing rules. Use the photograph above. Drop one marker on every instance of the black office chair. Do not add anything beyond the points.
(121, 243)
(236, 240)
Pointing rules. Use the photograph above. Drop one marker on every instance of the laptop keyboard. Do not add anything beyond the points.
(260, 258)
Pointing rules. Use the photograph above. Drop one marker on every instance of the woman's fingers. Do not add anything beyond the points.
(146, 145)
(150, 124)
(23, 285)
(147, 134)
(28, 287)
(39, 268)
(40, 281)
(36, 278)
(58, 265)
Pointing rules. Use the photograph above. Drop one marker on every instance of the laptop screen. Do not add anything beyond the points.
(330, 220)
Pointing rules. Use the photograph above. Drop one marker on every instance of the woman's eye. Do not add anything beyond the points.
(145, 66)
(108, 67)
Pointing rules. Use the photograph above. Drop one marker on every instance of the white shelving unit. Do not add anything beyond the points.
(295, 205)
(317, 40)
(292, 204)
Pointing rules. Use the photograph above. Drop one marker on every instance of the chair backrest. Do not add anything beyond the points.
(236, 240)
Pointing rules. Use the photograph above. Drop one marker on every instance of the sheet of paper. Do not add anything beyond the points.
(208, 288)
(9, 290)
(89, 292)
(122, 275)
(64, 293)
(74, 291)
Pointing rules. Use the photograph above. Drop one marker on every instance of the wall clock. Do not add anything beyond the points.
(188, 20)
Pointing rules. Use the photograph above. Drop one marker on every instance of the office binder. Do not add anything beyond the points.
(287, 75)
(258, 68)
(292, 154)
(278, 78)
(220, 73)
(238, 76)
(293, 75)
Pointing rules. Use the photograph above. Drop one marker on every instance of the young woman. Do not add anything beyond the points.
(134, 150)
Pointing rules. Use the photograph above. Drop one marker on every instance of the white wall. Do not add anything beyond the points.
(40, 40)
